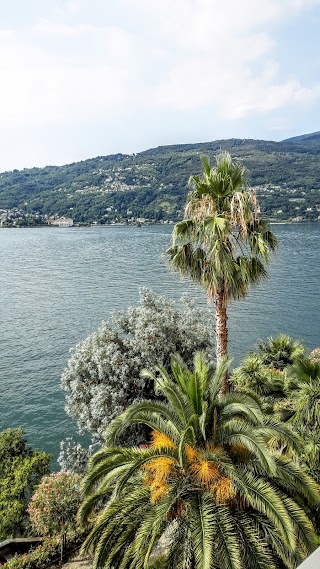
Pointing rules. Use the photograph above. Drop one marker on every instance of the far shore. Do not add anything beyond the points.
(120, 224)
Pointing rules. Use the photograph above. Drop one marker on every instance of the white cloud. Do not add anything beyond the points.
(193, 53)
(222, 55)
(74, 64)
(41, 85)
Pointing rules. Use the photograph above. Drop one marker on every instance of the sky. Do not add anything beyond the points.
(84, 78)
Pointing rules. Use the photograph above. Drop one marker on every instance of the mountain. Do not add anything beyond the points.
(153, 184)
(313, 137)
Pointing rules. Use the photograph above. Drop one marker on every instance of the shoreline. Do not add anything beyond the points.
(90, 225)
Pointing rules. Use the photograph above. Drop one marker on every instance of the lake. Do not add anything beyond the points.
(58, 284)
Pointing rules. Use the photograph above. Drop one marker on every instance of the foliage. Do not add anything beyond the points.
(303, 390)
(281, 351)
(208, 492)
(73, 458)
(48, 551)
(102, 374)
(153, 184)
(54, 505)
(265, 373)
(21, 469)
(315, 355)
(256, 378)
(288, 381)
(222, 243)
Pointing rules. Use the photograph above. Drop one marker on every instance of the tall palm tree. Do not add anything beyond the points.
(222, 243)
(206, 492)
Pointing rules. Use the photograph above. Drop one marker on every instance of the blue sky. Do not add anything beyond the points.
(81, 79)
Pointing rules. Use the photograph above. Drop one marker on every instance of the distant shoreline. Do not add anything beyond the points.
(87, 226)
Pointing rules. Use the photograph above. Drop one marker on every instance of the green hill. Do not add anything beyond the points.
(153, 184)
(312, 137)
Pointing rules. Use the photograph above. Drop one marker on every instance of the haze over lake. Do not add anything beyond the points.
(58, 284)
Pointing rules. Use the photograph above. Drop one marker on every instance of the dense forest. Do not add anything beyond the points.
(153, 184)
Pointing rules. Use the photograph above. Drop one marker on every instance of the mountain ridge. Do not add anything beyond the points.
(153, 183)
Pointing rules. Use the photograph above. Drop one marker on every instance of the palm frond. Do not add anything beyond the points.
(264, 498)
(227, 542)
(202, 530)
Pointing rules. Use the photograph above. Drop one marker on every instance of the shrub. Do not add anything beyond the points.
(315, 355)
(102, 376)
(54, 506)
(21, 469)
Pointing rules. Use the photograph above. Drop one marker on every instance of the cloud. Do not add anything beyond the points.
(223, 55)
(76, 64)
(45, 84)
(191, 54)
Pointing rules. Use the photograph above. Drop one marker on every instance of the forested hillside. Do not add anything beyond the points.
(153, 184)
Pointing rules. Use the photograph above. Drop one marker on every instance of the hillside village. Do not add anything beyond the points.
(151, 187)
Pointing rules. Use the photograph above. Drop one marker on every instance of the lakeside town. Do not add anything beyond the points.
(16, 218)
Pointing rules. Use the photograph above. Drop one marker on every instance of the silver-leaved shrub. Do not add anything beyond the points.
(102, 376)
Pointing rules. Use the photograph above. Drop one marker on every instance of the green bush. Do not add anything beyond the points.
(21, 469)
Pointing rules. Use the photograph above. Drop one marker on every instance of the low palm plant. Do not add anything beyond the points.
(253, 375)
(207, 492)
(303, 388)
(281, 351)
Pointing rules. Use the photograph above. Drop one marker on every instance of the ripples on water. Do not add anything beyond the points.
(58, 284)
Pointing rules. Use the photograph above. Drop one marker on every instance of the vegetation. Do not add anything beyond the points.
(102, 375)
(222, 244)
(43, 555)
(288, 381)
(21, 469)
(303, 393)
(73, 457)
(280, 352)
(54, 505)
(207, 492)
(210, 471)
(153, 184)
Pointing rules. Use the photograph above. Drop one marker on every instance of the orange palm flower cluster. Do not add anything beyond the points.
(161, 440)
(157, 472)
(204, 472)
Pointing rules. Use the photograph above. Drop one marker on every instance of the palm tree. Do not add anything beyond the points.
(222, 243)
(303, 389)
(206, 492)
(254, 377)
(281, 351)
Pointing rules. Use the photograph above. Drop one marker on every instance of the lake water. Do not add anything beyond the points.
(58, 284)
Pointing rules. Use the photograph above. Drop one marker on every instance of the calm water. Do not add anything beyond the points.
(58, 284)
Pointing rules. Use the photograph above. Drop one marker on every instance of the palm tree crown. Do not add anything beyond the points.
(303, 389)
(281, 351)
(222, 243)
(206, 492)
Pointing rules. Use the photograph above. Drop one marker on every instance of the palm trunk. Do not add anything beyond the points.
(221, 331)
(221, 325)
